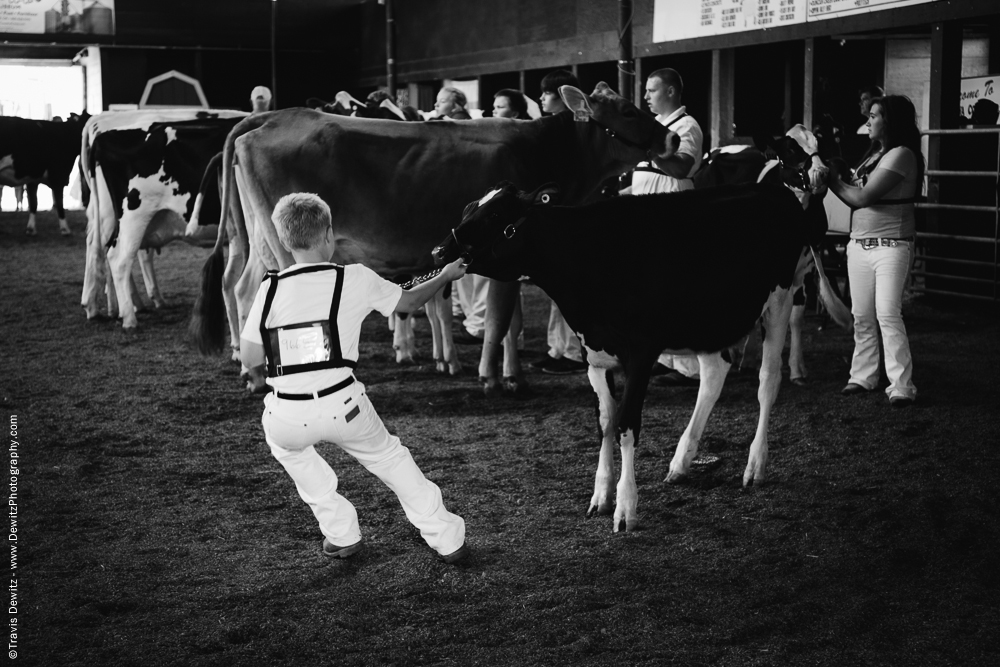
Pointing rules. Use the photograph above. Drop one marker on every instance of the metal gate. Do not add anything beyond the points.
(958, 228)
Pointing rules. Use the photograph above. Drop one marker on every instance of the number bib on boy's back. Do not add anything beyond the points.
(298, 344)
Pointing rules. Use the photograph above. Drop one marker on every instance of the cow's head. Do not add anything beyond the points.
(488, 236)
(621, 119)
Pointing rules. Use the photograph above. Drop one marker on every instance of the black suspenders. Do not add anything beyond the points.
(650, 167)
(269, 337)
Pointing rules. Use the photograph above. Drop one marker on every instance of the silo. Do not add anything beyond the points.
(98, 20)
(52, 20)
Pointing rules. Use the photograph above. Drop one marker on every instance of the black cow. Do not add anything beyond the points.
(689, 289)
(144, 169)
(34, 152)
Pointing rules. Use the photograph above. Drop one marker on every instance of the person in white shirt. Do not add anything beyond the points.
(260, 98)
(303, 328)
(664, 90)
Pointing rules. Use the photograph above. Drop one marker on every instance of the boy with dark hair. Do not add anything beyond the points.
(304, 326)
(551, 82)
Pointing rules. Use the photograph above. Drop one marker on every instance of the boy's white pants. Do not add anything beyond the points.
(293, 428)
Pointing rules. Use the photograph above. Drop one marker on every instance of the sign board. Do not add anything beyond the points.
(979, 88)
(54, 17)
(685, 19)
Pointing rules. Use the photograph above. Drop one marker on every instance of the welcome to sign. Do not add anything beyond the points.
(979, 88)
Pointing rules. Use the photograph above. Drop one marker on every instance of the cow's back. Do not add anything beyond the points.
(713, 255)
(394, 189)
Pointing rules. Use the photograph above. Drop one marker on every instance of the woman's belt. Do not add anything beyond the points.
(319, 394)
(868, 244)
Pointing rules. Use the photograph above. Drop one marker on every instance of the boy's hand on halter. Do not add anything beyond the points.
(455, 270)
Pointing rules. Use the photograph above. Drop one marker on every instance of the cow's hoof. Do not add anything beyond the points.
(30, 231)
(65, 231)
(236, 355)
(599, 508)
(491, 388)
(514, 385)
(454, 368)
(675, 477)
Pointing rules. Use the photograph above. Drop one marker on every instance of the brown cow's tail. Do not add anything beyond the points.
(838, 311)
(208, 321)
(208, 324)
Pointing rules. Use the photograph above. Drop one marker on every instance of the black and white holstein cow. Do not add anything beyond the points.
(34, 152)
(685, 288)
(143, 169)
(395, 188)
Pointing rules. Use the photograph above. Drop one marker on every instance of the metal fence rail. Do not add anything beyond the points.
(925, 238)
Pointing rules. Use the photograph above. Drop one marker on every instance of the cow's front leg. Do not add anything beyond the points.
(629, 420)
(440, 318)
(403, 341)
(776, 317)
(607, 410)
(712, 369)
(149, 278)
(513, 376)
(499, 310)
(32, 208)
(57, 201)
(796, 356)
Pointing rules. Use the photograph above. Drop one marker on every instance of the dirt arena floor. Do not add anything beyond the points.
(153, 527)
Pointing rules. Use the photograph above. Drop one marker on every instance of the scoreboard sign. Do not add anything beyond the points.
(686, 19)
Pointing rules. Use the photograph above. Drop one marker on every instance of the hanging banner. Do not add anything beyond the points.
(54, 17)
(685, 19)
(976, 89)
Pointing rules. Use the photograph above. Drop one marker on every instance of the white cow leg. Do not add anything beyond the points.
(402, 339)
(712, 369)
(440, 317)
(602, 500)
(230, 278)
(32, 189)
(776, 317)
(627, 507)
(149, 277)
(109, 289)
(437, 345)
(121, 274)
(796, 358)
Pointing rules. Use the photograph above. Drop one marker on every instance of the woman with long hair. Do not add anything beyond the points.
(883, 227)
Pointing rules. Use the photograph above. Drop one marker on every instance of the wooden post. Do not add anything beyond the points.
(808, 83)
(945, 91)
(626, 65)
(390, 51)
(723, 94)
(274, 60)
(640, 83)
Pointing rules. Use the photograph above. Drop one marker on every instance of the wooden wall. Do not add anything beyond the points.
(225, 44)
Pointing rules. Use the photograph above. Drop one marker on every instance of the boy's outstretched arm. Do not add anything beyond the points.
(422, 293)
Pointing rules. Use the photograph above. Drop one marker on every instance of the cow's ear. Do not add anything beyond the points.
(577, 102)
(604, 90)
